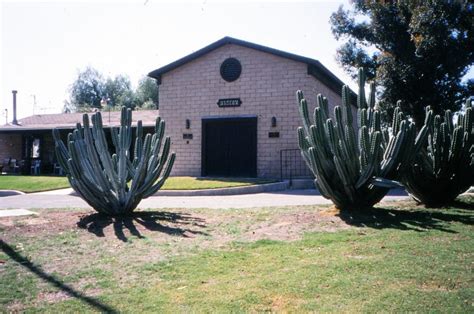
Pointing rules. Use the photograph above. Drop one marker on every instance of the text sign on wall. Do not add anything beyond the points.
(229, 102)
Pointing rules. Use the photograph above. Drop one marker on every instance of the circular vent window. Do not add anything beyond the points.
(231, 69)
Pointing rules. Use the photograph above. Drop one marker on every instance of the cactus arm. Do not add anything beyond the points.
(345, 178)
(101, 147)
(102, 179)
(361, 103)
(162, 179)
(336, 197)
(372, 95)
(303, 108)
(448, 119)
(138, 140)
(93, 157)
(385, 183)
(346, 96)
(396, 120)
(322, 103)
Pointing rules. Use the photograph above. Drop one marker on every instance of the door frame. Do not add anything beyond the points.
(210, 119)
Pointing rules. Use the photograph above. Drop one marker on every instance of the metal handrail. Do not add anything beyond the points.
(292, 165)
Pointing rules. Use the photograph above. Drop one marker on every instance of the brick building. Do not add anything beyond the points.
(30, 140)
(231, 110)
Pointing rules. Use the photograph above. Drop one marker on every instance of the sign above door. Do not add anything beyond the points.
(229, 102)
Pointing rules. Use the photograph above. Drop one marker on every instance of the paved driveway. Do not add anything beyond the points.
(60, 199)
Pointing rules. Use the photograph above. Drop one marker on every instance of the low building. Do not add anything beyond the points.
(231, 109)
(30, 140)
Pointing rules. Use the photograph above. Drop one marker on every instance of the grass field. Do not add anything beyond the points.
(397, 258)
(30, 184)
(191, 183)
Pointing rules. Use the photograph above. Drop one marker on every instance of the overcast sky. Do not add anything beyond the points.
(45, 44)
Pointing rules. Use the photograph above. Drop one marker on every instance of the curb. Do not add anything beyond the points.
(252, 189)
(300, 184)
(10, 193)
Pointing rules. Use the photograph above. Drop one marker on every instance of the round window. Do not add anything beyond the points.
(231, 69)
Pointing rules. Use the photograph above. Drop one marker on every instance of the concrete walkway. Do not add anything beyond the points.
(15, 212)
(62, 199)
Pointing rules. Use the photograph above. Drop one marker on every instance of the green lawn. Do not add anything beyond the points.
(397, 258)
(29, 184)
(191, 183)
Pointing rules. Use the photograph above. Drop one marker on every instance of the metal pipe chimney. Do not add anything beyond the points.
(15, 122)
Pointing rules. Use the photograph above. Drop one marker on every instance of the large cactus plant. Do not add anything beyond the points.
(114, 184)
(355, 170)
(444, 167)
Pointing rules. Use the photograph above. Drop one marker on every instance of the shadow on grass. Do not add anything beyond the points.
(25, 262)
(176, 224)
(463, 205)
(416, 220)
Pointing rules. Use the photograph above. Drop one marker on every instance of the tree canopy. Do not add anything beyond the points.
(118, 92)
(92, 90)
(87, 89)
(415, 51)
(147, 92)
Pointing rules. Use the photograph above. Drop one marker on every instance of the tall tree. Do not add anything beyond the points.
(88, 89)
(118, 92)
(417, 51)
(147, 91)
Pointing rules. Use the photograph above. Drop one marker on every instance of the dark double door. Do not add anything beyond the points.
(229, 147)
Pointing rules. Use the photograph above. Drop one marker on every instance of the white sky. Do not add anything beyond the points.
(45, 44)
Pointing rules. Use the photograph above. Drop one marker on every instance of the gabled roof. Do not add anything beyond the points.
(315, 68)
(69, 120)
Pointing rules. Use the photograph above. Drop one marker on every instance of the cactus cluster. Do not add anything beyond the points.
(444, 167)
(114, 184)
(355, 170)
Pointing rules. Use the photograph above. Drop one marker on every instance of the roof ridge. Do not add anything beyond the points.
(315, 68)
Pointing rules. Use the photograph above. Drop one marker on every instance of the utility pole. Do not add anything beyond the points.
(34, 103)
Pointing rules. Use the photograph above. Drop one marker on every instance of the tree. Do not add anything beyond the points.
(88, 89)
(68, 107)
(147, 91)
(91, 89)
(416, 51)
(119, 92)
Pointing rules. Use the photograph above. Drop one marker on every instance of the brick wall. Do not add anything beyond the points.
(10, 146)
(266, 87)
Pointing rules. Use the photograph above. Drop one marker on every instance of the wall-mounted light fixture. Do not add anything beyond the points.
(274, 122)
(188, 123)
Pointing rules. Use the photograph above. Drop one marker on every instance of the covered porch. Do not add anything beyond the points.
(27, 148)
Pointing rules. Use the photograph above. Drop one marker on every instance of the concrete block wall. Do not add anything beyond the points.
(266, 86)
(10, 146)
